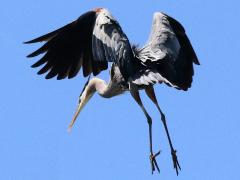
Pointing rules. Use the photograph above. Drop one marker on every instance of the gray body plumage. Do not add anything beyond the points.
(116, 85)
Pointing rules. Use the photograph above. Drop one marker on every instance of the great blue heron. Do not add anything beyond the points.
(96, 38)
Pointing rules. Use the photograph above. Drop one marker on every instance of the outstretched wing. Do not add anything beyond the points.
(90, 42)
(169, 53)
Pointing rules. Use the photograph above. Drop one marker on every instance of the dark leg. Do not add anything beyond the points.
(151, 94)
(135, 95)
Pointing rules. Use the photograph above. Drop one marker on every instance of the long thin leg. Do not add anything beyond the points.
(135, 95)
(151, 94)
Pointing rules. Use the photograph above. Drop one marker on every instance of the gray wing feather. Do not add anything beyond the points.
(162, 41)
(168, 52)
(116, 48)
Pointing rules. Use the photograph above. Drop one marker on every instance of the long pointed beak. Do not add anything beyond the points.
(84, 99)
(79, 108)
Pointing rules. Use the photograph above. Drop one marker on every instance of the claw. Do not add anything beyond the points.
(153, 162)
(176, 164)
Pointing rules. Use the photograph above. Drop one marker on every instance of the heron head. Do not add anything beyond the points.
(98, 10)
(103, 12)
(84, 97)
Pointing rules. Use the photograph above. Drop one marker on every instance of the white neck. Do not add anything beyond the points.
(95, 84)
(105, 90)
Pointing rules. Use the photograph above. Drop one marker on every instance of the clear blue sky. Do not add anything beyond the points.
(110, 139)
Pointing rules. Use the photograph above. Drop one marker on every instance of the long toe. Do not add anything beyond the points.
(153, 162)
(176, 164)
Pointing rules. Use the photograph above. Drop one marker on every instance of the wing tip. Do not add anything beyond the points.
(33, 54)
(196, 61)
(29, 42)
(34, 66)
(30, 55)
(39, 39)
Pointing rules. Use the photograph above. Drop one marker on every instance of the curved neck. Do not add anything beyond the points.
(95, 84)
(98, 85)
(105, 90)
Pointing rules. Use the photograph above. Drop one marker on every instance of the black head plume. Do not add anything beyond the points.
(79, 100)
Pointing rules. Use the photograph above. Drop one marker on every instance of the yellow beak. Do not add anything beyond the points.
(84, 99)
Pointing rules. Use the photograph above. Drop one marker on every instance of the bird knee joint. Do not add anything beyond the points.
(163, 118)
(149, 120)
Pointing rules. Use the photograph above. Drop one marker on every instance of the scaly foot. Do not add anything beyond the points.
(176, 164)
(153, 162)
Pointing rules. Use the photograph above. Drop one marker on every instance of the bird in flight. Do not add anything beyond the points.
(96, 40)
